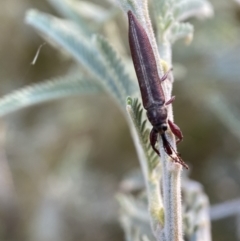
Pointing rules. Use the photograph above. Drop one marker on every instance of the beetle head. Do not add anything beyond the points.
(158, 118)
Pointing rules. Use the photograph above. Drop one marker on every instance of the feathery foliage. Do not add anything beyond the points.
(135, 110)
(100, 59)
(83, 11)
(68, 9)
(181, 30)
(116, 66)
(95, 54)
(72, 84)
(185, 9)
(67, 35)
(168, 15)
(165, 211)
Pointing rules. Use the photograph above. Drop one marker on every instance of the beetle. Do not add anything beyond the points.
(150, 85)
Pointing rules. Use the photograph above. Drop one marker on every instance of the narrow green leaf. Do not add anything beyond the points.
(181, 30)
(129, 101)
(78, 11)
(160, 8)
(49, 90)
(185, 9)
(68, 9)
(67, 35)
(115, 64)
(135, 111)
(143, 126)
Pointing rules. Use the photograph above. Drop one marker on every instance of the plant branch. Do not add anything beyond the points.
(150, 171)
(172, 198)
(169, 30)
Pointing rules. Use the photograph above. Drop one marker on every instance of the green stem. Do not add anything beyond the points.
(151, 178)
(165, 51)
(171, 171)
(172, 230)
(172, 198)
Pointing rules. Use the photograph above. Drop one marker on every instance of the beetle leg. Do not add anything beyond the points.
(170, 101)
(166, 145)
(176, 131)
(164, 77)
(153, 139)
(170, 151)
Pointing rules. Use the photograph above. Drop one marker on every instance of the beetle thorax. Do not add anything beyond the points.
(158, 118)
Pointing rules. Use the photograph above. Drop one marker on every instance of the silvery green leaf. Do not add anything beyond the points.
(134, 217)
(135, 109)
(116, 65)
(192, 8)
(196, 218)
(181, 30)
(90, 10)
(161, 8)
(68, 9)
(67, 35)
(73, 84)
(81, 10)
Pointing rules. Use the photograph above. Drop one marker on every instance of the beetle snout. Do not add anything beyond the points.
(164, 127)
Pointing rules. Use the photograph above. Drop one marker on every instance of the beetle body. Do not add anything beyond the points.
(150, 85)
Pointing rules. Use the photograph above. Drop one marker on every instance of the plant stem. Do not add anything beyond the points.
(172, 198)
(165, 50)
(171, 182)
(155, 203)
(171, 185)
(171, 171)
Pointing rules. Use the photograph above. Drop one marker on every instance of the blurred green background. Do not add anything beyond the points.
(61, 162)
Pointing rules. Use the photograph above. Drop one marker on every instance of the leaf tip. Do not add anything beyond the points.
(129, 100)
(30, 14)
